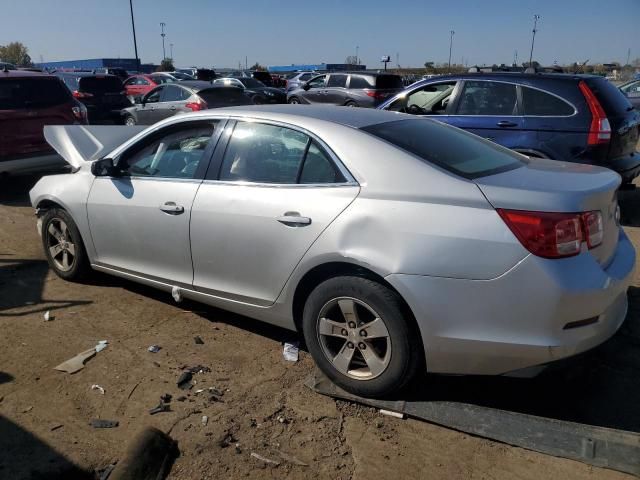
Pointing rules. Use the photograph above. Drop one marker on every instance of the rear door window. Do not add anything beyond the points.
(100, 85)
(359, 81)
(337, 80)
(318, 167)
(459, 152)
(171, 93)
(389, 81)
(488, 98)
(541, 104)
(23, 93)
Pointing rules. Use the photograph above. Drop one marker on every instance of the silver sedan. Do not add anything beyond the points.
(396, 245)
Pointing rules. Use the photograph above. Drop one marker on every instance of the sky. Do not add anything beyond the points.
(213, 33)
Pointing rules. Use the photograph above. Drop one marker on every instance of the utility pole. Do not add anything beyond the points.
(536, 17)
(171, 51)
(246, 62)
(628, 56)
(135, 43)
(450, 47)
(357, 50)
(162, 34)
(515, 58)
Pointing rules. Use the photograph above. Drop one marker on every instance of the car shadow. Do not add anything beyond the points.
(629, 201)
(597, 388)
(22, 284)
(23, 456)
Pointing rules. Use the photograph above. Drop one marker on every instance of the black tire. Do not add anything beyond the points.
(351, 104)
(54, 222)
(129, 120)
(405, 351)
(293, 101)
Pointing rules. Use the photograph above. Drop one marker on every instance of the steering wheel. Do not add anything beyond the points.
(414, 109)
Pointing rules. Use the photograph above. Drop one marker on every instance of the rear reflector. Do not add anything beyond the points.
(554, 235)
(600, 129)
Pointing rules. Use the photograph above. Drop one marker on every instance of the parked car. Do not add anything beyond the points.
(103, 95)
(631, 90)
(180, 75)
(28, 102)
(297, 79)
(121, 73)
(183, 97)
(204, 74)
(279, 81)
(139, 85)
(349, 89)
(400, 218)
(257, 91)
(7, 66)
(576, 118)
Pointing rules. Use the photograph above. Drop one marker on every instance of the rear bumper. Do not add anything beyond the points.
(35, 163)
(517, 321)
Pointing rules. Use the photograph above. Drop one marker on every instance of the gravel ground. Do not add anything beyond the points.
(264, 407)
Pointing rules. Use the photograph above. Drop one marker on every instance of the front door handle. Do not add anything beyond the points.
(172, 208)
(294, 219)
(506, 123)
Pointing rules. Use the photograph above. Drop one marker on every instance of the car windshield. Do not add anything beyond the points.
(251, 83)
(459, 152)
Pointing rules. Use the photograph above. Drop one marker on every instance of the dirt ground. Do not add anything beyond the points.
(265, 408)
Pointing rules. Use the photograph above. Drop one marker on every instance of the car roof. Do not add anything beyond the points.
(85, 74)
(22, 73)
(514, 76)
(300, 114)
(198, 85)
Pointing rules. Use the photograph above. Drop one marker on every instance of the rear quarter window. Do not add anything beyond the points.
(359, 81)
(539, 103)
(389, 81)
(22, 93)
(454, 150)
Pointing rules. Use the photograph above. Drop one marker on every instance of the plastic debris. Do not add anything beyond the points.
(162, 407)
(98, 423)
(97, 387)
(56, 427)
(205, 420)
(47, 316)
(27, 410)
(264, 459)
(291, 459)
(391, 413)
(76, 363)
(184, 381)
(226, 439)
(102, 344)
(290, 352)
(176, 293)
(166, 398)
(154, 348)
(198, 340)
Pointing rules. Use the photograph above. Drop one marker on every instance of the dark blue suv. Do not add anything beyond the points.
(576, 118)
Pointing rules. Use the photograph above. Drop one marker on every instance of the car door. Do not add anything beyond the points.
(147, 111)
(336, 92)
(277, 190)
(170, 101)
(490, 109)
(139, 220)
(315, 92)
(433, 100)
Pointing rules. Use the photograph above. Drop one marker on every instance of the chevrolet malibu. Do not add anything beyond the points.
(395, 244)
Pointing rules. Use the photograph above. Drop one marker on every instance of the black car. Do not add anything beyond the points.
(121, 73)
(170, 99)
(350, 89)
(103, 95)
(254, 89)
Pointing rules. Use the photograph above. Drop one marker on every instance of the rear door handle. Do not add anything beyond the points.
(172, 208)
(506, 123)
(294, 219)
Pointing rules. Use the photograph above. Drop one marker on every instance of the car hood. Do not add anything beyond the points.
(78, 144)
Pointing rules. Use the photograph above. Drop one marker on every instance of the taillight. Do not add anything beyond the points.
(600, 129)
(375, 94)
(554, 235)
(196, 106)
(77, 94)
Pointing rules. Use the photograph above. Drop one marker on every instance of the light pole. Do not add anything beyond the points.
(357, 49)
(162, 34)
(450, 47)
(536, 17)
(135, 43)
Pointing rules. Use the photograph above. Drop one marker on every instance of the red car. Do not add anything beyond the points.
(28, 102)
(138, 85)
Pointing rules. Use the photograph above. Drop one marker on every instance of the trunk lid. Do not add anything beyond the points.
(551, 186)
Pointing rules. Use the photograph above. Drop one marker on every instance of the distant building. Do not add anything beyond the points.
(325, 67)
(129, 64)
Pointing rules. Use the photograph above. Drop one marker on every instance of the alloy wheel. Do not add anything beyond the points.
(62, 248)
(354, 338)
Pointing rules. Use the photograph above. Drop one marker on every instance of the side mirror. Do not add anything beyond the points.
(306, 86)
(104, 168)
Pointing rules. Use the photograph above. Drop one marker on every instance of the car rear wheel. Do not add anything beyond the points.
(63, 245)
(351, 104)
(294, 101)
(129, 120)
(358, 334)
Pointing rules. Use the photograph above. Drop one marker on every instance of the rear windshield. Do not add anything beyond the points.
(455, 150)
(100, 84)
(251, 82)
(389, 81)
(20, 93)
(224, 97)
(262, 75)
(613, 101)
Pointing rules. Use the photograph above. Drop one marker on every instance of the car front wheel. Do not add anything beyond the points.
(294, 101)
(63, 245)
(129, 120)
(359, 335)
